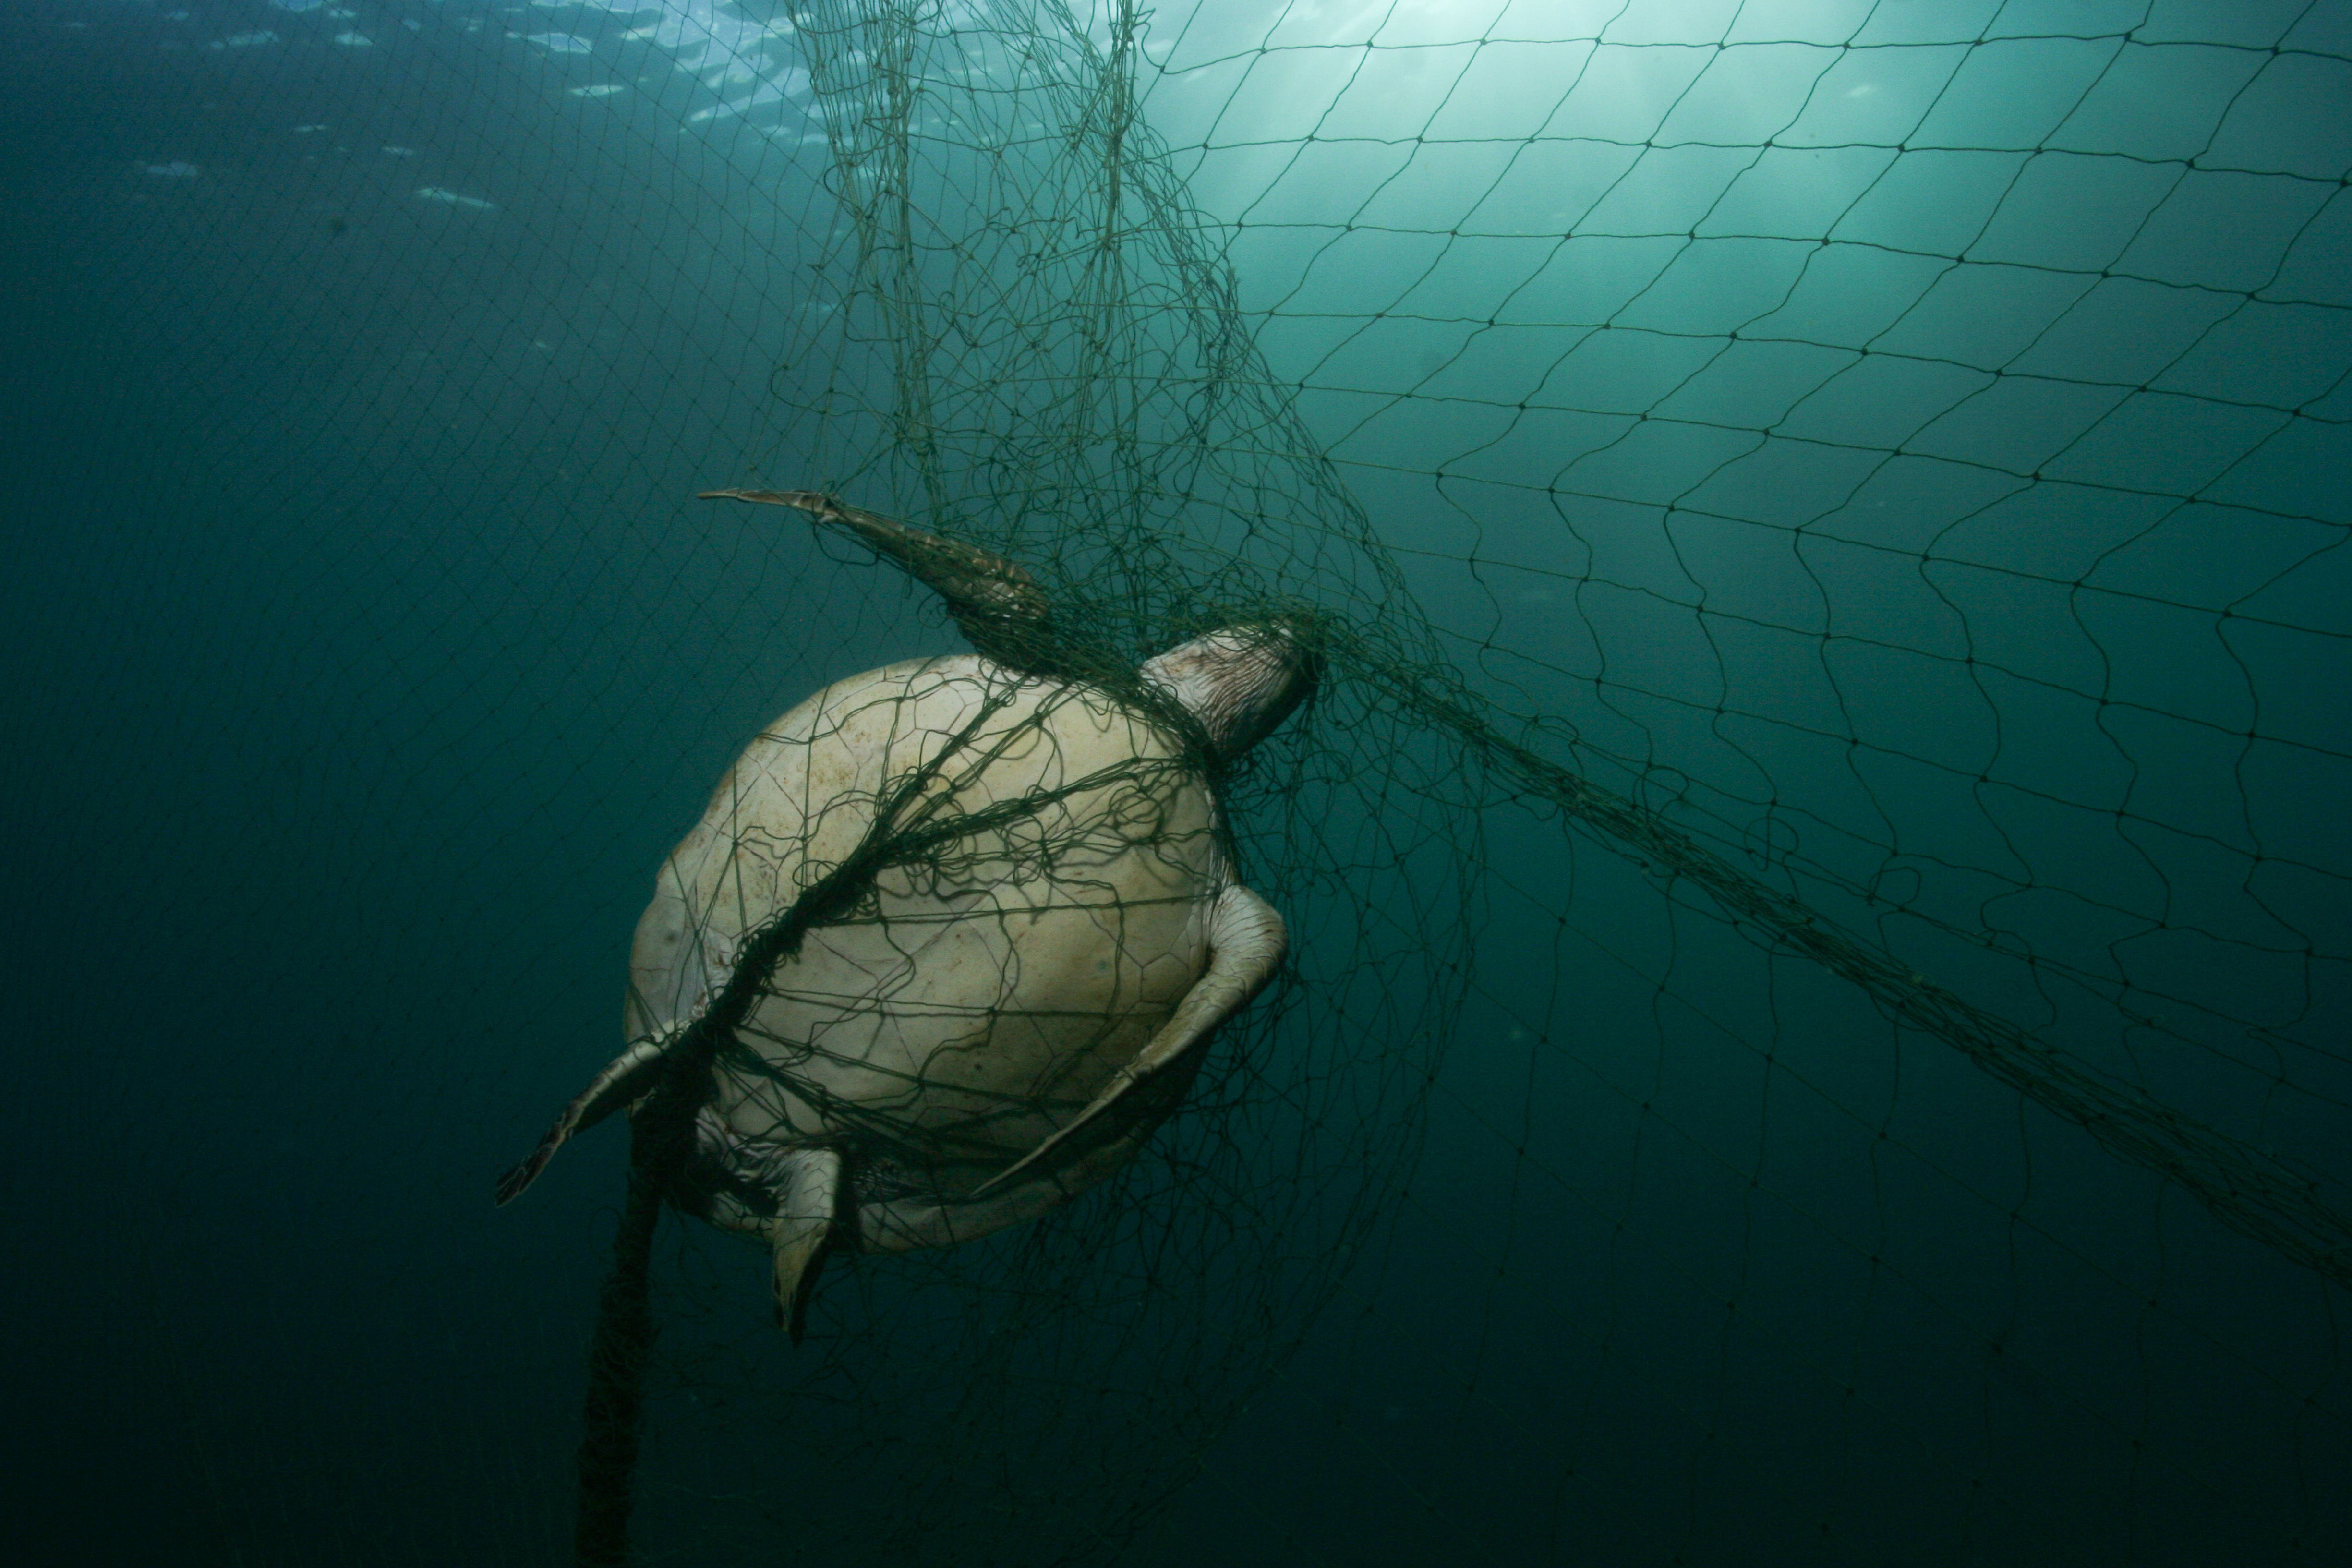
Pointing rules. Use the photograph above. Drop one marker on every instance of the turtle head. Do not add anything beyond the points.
(1240, 682)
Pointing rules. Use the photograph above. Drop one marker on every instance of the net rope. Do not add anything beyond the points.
(1814, 867)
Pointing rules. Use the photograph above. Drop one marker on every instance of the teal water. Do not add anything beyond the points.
(1909, 434)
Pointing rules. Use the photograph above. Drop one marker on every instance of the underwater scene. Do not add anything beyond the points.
(1254, 781)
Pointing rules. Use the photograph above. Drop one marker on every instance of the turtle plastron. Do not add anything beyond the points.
(1246, 943)
(950, 935)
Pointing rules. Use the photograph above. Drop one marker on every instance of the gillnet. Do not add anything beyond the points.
(1814, 1024)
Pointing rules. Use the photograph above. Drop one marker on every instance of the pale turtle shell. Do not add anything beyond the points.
(976, 999)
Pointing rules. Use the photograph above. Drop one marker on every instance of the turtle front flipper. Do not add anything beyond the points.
(804, 1211)
(1247, 942)
(996, 603)
(628, 1076)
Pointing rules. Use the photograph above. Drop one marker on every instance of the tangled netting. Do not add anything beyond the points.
(1017, 332)
(1016, 341)
(1813, 1023)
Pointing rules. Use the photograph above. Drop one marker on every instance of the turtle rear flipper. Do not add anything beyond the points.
(625, 1079)
(805, 1212)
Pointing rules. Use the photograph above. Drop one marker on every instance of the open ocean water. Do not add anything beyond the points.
(1904, 442)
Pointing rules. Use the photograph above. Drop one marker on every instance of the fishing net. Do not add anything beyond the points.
(1814, 1024)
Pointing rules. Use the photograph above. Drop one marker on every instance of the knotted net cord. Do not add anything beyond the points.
(1025, 340)
(1899, 519)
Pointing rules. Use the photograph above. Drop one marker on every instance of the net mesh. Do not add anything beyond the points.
(1815, 1023)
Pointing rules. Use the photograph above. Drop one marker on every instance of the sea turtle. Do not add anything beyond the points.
(951, 935)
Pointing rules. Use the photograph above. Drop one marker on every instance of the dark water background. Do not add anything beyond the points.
(363, 655)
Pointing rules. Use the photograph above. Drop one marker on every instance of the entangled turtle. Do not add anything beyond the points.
(951, 935)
